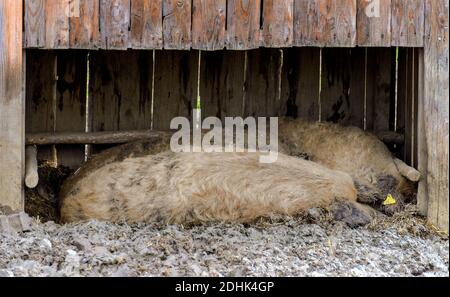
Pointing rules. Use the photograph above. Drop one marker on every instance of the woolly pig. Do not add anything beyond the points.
(349, 149)
(146, 182)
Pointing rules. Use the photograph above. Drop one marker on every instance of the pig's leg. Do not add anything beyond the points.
(353, 214)
(407, 171)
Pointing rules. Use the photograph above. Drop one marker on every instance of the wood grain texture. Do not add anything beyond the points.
(41, 97)
(85, 26)
(325, 23)
(71, 103)
(121, 90)
(34, 23)
(146, 24)
(408, 23)
(335, 93)
(177, 24)
(12, 116)
(379, 96)
(374, 23)
(114, 23)
(243, 24)
(435, 103)
(175, 86)
(208, 24)
(278, 23)
(300, 86)
(57, 24)
(222, 83)
(263, 96)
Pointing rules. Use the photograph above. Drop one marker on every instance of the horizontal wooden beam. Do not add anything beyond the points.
(116, 137)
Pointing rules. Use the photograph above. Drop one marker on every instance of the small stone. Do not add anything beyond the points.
(6, 273)
(82, 244)
(45, 244)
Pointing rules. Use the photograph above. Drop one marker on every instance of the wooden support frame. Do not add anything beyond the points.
(12, 104)
(433, 105)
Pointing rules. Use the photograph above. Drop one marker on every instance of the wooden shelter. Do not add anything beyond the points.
(91, 66)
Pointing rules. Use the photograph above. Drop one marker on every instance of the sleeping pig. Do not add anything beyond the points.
(147, 182)
(363, 156)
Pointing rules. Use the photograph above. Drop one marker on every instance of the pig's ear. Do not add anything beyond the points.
(407, 171)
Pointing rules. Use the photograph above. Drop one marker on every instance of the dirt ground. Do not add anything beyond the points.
(305, 246)
(309, 245)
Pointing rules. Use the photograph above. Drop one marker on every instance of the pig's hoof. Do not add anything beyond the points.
(351, 214)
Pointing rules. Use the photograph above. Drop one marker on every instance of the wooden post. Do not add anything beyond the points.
(435, 114)
(12, 136)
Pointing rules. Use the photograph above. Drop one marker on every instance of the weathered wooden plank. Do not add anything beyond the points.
(114, 24)
(403, 88)
(71, 104)
(436, 110)
(374, 23)
(408, 23)
(243, 24)
(57, 14)
(12, 117)
(309, 20)
(422, 149)
(175, 86)
(263, 86)
(278, 23)
(340, 26)
(335, 91)
(146, 24)
(325, 22)
(40, 97)
(85, 25)
(222, 83)
(121, 90)
(357, 88)
(301, 79)
(379, 96)
(34, 23)
(177, 24)
(208, 24)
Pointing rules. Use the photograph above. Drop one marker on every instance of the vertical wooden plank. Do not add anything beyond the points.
(300, 88)
(378, 89)
(222, 83)
(177, 24)
(335, 93)
(175, 86)
(408, 23)
(57, 24)
(114, 23)
(263, 96)
(343, 86)
(357, 87)
(71, 103)
(340, 24)
(422, 149)
(40, 95)
(325, 22)
(309, 22)
(121, 90)
(12, 130)
(243, 24)
(146, 24)
(374, 23)
(278, 23)
(436, 110)
(208, 24)
(403, 89)
(85, 25)
(34, 23)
